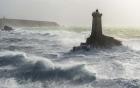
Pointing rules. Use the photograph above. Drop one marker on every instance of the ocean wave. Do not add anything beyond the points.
(115, 63)
(38, 69)
(14, 60)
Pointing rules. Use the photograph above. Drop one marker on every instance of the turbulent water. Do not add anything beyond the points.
(41, 58)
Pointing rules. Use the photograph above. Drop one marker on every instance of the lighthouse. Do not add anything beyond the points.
(96, 33)
(97, 39)
(96, 24)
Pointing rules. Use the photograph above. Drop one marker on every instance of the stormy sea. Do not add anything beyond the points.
(42, 58)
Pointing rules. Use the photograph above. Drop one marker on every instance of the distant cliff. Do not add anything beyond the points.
(25, 23)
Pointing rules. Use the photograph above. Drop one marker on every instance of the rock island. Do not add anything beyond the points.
(97, 39)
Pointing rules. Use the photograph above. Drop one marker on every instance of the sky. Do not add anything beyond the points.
(73, 12)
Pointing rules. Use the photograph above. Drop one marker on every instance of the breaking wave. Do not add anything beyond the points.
(38, 69)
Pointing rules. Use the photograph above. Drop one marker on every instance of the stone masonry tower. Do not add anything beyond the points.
(96, 24)
(97, 39)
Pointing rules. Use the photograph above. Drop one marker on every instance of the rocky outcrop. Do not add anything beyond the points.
(7, 28)
(97, 39)
(102, 42)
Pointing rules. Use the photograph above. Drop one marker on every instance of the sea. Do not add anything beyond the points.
(41, 57)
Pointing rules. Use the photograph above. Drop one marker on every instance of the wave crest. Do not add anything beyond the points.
(43, 69)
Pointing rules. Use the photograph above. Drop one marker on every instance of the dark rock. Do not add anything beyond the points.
(7, 28)
(82, 47)
(103, 42)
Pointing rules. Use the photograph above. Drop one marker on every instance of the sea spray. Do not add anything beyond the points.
(41, 52)
(38, 69)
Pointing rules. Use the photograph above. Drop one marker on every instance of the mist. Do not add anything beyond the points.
(73, 12)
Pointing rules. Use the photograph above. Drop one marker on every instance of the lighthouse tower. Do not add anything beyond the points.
(96, 24)
(97, 39)
(96, 33)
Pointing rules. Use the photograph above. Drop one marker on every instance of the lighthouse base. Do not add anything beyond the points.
(98, 42)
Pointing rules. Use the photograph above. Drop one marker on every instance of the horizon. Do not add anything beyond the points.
(73, 12)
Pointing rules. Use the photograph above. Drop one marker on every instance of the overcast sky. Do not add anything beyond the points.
(73, 12)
